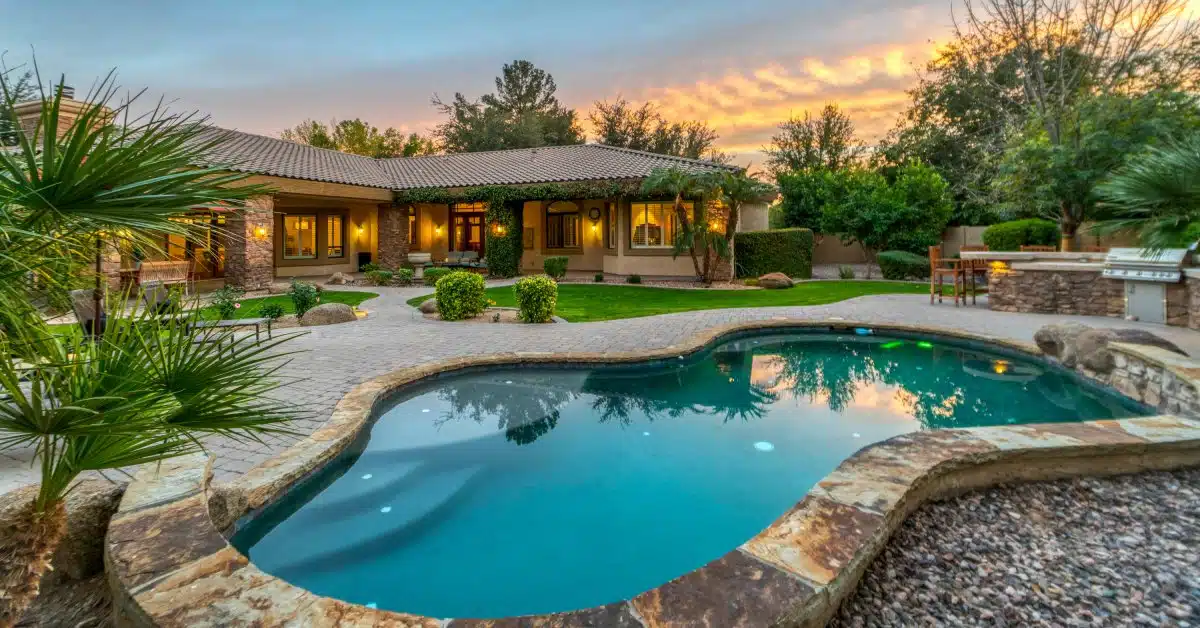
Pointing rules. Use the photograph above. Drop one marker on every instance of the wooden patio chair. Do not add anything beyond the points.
(976, 267)
(1038, 248)
(939, 269)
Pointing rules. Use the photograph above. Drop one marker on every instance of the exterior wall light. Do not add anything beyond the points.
(498, 228)
(260, 232)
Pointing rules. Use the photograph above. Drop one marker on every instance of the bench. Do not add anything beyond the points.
(166, 273)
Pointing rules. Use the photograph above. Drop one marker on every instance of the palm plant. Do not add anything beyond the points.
(1157, 196)
(145, 390)
(734, 190)
(681, 185)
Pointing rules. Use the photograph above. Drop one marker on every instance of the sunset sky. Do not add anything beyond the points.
(743, 65)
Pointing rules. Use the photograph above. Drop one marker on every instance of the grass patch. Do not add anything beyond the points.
(250, 307)
(581, 303)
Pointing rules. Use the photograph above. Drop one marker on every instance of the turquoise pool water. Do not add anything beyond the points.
(520, 491)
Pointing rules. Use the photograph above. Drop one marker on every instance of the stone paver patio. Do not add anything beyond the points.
(334, 359)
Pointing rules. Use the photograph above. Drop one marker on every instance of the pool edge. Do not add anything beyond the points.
(169, 564)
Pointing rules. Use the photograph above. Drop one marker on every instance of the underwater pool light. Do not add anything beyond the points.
(863, 331)
(763, 445)
(893, 344)
(924, 344)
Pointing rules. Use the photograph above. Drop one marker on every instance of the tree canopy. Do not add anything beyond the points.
(523, 112)
(360, 138)
(805, 143)
(643, 127)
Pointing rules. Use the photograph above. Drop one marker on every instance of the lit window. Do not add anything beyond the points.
(653, 225)
(412, 229)
(563, 224)
(299, 237)
(612, 225)
(336, 235)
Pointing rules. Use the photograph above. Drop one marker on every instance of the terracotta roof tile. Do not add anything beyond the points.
(245, 152)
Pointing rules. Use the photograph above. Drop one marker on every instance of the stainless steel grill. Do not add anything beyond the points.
(1140, 265)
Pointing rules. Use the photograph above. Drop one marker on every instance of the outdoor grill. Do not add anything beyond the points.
(1146, 276)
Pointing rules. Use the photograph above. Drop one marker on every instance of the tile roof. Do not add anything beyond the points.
(245, 152)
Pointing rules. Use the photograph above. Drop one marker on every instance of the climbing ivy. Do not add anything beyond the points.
(506, 202)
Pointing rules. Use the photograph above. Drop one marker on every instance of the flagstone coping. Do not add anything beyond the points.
(170, 565)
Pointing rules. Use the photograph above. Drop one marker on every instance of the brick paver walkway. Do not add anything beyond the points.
(336, 358)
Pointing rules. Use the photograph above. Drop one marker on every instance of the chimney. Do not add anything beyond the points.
(29, 113)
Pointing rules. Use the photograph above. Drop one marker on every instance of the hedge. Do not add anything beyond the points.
(460, 295)
(536, 298)
(787, 251)
(903, 265)
(1010, 236)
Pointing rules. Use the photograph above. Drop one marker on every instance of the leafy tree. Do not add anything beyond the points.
(523, 112)
(1058, 179)
(22, 89)
(805, 194)
(644, 128)
(908, 215)
(806, 143)
(732, 191)
(144, 389)
(360, 138)
(1157, 196)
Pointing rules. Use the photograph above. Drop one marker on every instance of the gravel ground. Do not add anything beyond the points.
(1119, 551)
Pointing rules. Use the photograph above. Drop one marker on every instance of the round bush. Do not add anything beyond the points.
(460, 295)
(404, 275)
(903, 265)
(555, 267)
(536, 298)
(432, 275)
(379, 277)
(1011, 236)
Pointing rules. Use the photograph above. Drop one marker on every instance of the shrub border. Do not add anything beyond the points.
(169, 564)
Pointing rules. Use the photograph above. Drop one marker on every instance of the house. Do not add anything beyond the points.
(332, 211)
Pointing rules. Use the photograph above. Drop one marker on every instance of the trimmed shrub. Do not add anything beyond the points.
(271, 311)
(845, 272)
(787, 251)
(432, 275)
(305, 296)
(536, 298)
(1011, 236)
(228, 300)
(903, 265)
(460, 295)
(599, 278)
(405, 275)
(555, 267)
(368, 267)
(633, 279)
(379, 277)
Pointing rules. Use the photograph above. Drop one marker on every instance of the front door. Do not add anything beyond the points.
(466, 228)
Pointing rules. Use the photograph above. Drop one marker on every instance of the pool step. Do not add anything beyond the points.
(304, 543)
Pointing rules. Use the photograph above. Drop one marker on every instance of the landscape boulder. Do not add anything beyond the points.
(339, 279)
(328, 314)
(1091, 346)
(278, 288)
(1058, 341)
(775, 281)
(428, 306)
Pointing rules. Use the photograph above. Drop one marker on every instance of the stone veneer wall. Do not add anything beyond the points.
(1156, 377)
(1056, 292)
(250, 258)
(393, 235)
(1193, 289)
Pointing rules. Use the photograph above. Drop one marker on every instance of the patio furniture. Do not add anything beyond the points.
(975, 268)
(939, 269)
(83, 303)
(234, 323)
(1037, 248)
(167, 273)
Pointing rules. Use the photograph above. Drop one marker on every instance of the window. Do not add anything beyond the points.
(299, 237)
(611, 210)
(563, 224)
(335, 237)
(652, 225)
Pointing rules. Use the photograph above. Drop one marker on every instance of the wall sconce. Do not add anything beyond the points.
(260, 232)
(437, 230)
(361, 230)
(498, 228)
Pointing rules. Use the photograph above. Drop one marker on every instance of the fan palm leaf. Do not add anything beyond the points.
(1157, 196)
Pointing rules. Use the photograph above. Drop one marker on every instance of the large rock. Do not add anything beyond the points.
(1058, 341)
(339, 279)
(279, 288)
(1091, 346)
(428, 306)
(328, 314)
(90, 505)
(775, 281)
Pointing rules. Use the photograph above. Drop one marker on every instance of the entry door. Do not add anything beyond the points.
(468, 233)
(1146, 301)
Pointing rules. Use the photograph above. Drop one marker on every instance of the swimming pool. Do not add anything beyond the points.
(532, 490)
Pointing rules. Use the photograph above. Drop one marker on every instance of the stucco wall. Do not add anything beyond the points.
(360, 234)
(589, 257)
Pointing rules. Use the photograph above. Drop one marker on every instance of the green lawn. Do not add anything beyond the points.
(581, 303)
(250, 307)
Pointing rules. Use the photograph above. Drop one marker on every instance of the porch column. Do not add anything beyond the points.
(393, 236)
(249, 245)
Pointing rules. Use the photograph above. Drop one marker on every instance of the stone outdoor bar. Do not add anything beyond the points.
(1074, 283)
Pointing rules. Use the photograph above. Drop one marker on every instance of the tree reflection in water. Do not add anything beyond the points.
(525, 412)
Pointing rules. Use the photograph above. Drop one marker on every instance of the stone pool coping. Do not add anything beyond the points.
(169, 564)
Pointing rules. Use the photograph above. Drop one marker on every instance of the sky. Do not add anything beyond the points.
(263, 66)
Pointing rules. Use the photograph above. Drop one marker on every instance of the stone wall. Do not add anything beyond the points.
(1179, 304)
(1153, 376)
(1193, 288)
(249, 245)
(393, 236)
(1056, 292)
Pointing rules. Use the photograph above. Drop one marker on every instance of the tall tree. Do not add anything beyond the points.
(1067, 51)
(621, 124)
(358, 137)
(806, 143)
(22, 88)
(523, 112)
